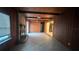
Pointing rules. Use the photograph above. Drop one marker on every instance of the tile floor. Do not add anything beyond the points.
(40, 42)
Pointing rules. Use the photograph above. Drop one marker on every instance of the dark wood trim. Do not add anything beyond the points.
(17, 26)
(34, 12)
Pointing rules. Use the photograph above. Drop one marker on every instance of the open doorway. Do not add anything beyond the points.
(27, 27)
(42, 27)
(49, 25)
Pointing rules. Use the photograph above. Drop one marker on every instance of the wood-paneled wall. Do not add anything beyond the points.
(66, 28)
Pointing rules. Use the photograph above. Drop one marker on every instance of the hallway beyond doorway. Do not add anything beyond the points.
(40, 42)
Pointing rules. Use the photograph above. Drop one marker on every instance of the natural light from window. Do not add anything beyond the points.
(4, 27)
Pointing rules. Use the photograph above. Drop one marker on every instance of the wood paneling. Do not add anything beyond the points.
(66, 28)
(43, 9)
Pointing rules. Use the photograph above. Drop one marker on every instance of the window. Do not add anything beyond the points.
(4, 27)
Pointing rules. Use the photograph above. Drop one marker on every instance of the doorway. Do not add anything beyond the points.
(27, 27)
(42, 27)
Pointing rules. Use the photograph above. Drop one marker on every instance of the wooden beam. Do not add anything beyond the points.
(40, 12)
(39, 18)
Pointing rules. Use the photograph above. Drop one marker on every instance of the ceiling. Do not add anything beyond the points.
(31, 16)
(43, 9)
(44, 13)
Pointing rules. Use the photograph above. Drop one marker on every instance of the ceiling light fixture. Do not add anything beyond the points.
(38, 17)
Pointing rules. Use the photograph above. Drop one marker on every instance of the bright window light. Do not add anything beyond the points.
(4, 27)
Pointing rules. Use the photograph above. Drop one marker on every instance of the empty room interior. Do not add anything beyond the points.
(39, 29)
